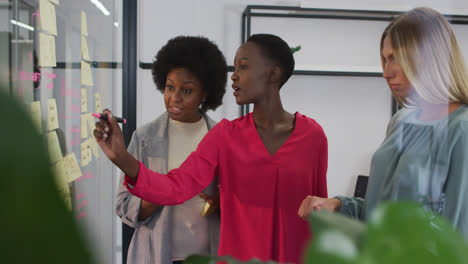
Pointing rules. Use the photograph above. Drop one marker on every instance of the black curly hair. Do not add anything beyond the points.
(276, 49)
(201, 57)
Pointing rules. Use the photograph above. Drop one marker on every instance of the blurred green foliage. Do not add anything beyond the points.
(37, 226)
(397, 232)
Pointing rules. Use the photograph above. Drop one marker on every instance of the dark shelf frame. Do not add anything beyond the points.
(320, 13)
(94, 64)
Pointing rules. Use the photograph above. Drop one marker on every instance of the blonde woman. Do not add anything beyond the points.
(424, 157)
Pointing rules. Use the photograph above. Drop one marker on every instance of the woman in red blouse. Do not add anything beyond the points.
(267, 161)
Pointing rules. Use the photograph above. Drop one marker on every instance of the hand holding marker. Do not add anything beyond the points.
(104, 117)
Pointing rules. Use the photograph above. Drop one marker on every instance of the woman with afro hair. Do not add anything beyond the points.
(191, 72)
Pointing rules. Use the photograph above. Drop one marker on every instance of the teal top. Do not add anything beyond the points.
(421, 161)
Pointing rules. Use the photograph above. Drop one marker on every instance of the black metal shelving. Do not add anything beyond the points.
(319, 13)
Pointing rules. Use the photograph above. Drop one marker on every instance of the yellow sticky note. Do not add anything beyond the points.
(52, 118)
(91, 124)
(84, 24)
(55, 1)
(60, 174)
(98, 103)
(66, 196)
(54, 147)
(72, 167)
(95, 147)
(84, 101)
(47, 57)
(84, 49)
(86, 75)
(84, 161)
(36, 115)
(84, 126)
(47, 18)
(61, 178)
(85, 153)
(89, 156)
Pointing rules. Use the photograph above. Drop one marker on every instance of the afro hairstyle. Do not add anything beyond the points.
(201, 57)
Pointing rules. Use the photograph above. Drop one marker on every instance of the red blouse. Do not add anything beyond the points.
(260, 194)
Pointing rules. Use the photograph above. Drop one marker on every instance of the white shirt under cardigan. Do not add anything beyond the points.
(190, 232)
(152, 241)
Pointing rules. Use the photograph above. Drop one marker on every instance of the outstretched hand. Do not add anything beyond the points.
(315, 203)
(110, 138)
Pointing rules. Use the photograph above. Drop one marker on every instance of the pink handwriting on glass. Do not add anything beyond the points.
(81, 205)
(79, 196)
(35, 14)
(82, 214)
(75, 140)
(35, 77)
(67, 92)
(87, 175)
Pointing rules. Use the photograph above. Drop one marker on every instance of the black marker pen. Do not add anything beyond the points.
(104, 117)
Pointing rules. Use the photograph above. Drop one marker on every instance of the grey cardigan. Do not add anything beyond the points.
(151, 241)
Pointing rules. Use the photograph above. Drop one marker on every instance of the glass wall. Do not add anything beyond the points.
(61, 60)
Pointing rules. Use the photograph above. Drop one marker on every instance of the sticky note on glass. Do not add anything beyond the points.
(60, 174)
(47, 18)
(84, 101)
(98, 103)
(84, 24)
(52, 119)
(84, 49)
(54, 147)
(89, 156)
(84, 125)
(72, 167)
(95, 147)
(85, 153)
(84, 161)
(47, 56)
(36, 115)
(61, 179)
(86, 75)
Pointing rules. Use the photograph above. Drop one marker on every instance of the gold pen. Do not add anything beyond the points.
(207, 209)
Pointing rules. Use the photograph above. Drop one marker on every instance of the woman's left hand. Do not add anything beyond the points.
(213, 200)
(315, 203)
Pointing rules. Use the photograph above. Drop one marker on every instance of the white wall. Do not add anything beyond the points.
(354, 111)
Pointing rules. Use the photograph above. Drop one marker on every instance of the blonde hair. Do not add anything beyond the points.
(426, 48)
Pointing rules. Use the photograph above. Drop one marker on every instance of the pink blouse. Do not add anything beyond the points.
(260, 193)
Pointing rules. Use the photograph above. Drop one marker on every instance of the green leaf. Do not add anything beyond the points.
(296, 49)
(336, 238)
(407, 233)
(397, 232)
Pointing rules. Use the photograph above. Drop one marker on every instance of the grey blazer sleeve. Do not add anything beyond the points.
(127, 205)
